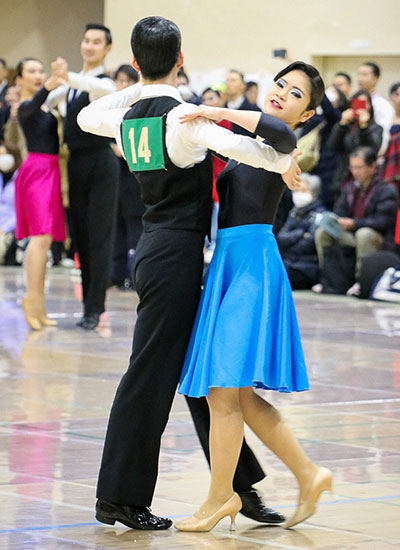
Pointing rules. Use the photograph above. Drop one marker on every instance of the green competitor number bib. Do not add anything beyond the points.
(142, 142)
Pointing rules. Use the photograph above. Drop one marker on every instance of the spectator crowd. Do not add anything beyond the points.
(346, 210)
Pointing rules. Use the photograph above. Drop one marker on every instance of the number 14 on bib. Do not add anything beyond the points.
(142, 142)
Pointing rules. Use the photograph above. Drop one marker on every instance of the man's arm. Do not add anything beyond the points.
(188, 144)
(94, 86)
(103, 116)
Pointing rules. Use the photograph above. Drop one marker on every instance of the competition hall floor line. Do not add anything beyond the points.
(57, 387)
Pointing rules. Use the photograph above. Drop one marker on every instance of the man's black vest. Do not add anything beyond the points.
(74, 137)
(175, 198)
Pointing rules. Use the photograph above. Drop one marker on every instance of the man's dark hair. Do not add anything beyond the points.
(20, 67)
(100, 27)
(360, 93)
(236, 71)
(345, 75)
(250, 84)
(155, 43)
(366, 153)
(317, 86)
(129, 71)
(3, 62)
(375, 69)
(394, 87)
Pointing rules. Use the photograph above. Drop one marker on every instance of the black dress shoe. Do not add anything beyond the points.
(135, 517)
(89, 322)
(254, 508)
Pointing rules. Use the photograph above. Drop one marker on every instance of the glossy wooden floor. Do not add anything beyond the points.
(57, 386)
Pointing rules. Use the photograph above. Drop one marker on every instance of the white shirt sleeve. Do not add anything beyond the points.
(94, 86)
(187, 144)
(103, 117)
(383, 114)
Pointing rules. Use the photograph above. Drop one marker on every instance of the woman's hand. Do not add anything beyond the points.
(364, 117)
(210, 113)
(292, 176)
(347, 117)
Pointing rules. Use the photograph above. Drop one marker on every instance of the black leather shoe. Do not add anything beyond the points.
(89, 322)
(254, 508)
(135, 517)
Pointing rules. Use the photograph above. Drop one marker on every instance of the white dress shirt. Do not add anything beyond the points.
(82, 82)
(187, 144)
(383, 114)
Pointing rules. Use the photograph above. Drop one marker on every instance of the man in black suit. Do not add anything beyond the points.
(235, 88)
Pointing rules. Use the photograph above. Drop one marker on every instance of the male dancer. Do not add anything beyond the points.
(92, 171)
(172, 164)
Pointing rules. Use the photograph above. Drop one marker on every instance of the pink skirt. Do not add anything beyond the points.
(38, 203)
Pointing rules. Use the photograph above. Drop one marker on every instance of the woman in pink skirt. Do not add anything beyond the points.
(38, 204)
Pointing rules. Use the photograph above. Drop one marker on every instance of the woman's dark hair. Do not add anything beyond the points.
(155, 43)
(129, 71)
(394, 87)
(211, 90)
(366, 153)
(317, 86)
(20, 67)
(343, 102)
(367, 95)
(100, 27)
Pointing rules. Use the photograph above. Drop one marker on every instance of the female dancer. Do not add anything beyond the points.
(246, 334)
(38, 205)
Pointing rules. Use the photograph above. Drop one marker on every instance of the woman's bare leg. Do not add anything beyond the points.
(35, 265)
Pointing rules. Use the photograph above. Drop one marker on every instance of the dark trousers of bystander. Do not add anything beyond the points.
(93, 186)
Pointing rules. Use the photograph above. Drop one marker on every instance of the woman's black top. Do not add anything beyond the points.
(250, 195)
(40, 128)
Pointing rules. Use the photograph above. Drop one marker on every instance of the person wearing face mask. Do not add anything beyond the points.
(296, 238)
(185, 90)
(245, 335)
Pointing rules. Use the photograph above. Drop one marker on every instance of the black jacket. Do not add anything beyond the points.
(344, 139)
(380, 208)
(296, 240)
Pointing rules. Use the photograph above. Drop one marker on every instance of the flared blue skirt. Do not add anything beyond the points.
(246, 331)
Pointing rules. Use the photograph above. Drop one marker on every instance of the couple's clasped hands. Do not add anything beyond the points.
(216, 114)
(59, 74)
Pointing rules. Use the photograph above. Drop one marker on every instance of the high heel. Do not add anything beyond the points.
(44, 320)
(322, 482)
(200, 523)
(31, 309)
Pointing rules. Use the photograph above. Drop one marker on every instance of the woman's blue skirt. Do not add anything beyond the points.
(246, 331)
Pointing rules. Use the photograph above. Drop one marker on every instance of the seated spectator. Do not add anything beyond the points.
(357, 127)
(184, 88)
(251, 92)
(296, 238)
(7, 204)
(366, 210)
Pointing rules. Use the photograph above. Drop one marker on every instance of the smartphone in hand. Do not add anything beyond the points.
(358, 105)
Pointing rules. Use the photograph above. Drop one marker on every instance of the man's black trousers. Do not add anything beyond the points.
(167, 272)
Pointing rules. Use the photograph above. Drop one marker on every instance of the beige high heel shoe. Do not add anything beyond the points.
(31, 309)
(45, 321)
(322, 482)
(198, 522)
